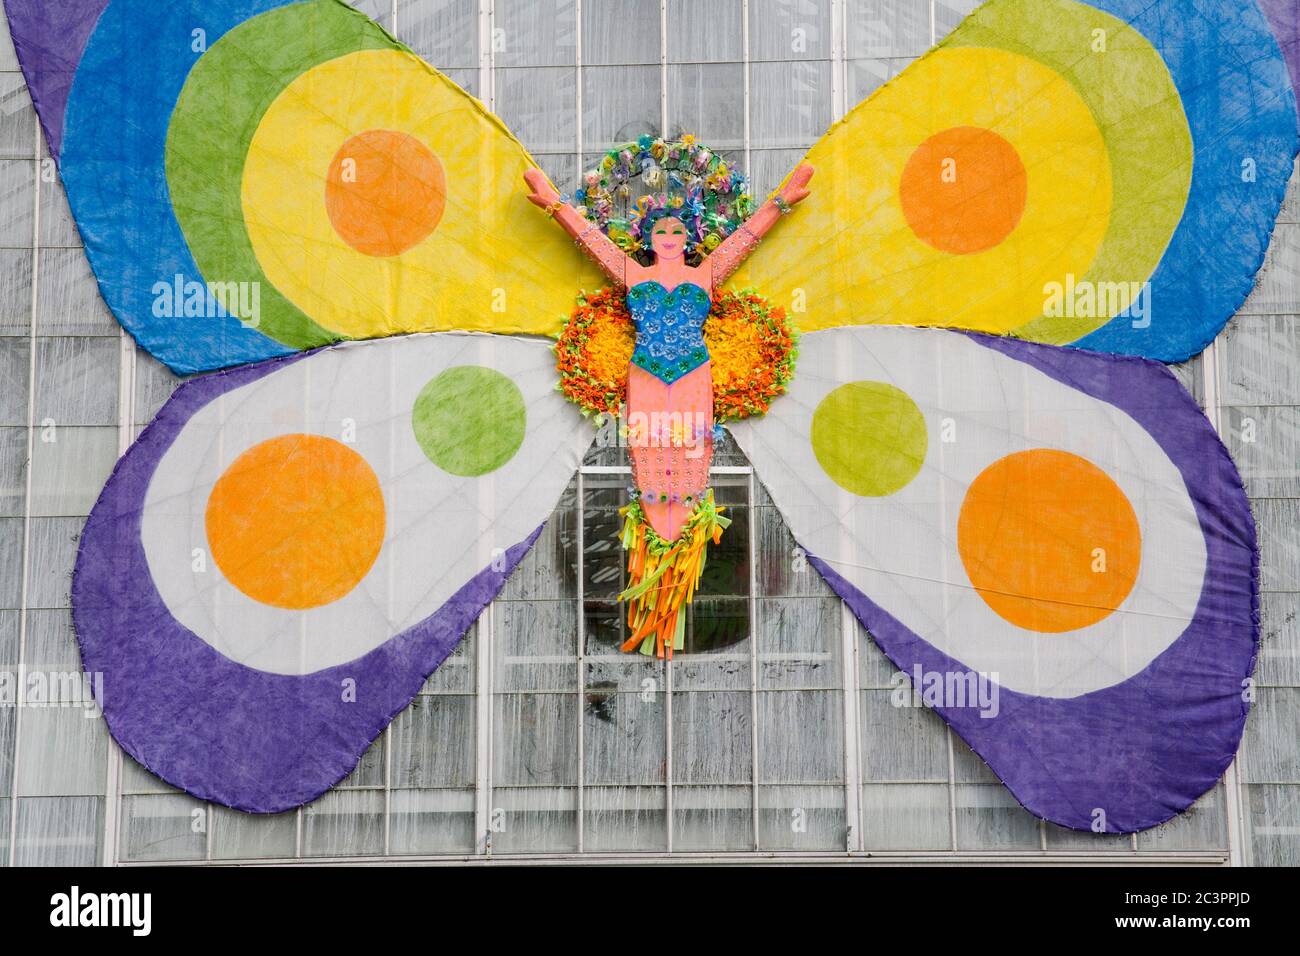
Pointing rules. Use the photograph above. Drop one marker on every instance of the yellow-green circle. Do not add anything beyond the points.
(869, 437)
(470, 420)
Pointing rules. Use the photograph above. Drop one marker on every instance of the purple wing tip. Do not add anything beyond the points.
(50, 39)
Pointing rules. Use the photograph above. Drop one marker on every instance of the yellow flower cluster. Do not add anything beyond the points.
(594, 351)
(752, 351)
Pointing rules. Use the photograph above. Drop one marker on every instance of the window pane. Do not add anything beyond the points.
(344, 823)
(902, 740)
(248, 836)
(624, 723)
(711, 737)
(1202, 827)
(618, 105)
(76, 382)
(805, 818)
(790, 103)
(540, 105)
(535, 740)
(431, 821)
(989, 818)
(620, 31)
(534, 820)
(624, 819)
(433, 743)
(700, 32)
(713, 818)
(703, 100)
(69, 302)
(1274, 835)
(69, 470)
(164, 828)
(444, 32)
(59, 831)
(535, 32)
(905, 817)
(790, 29)
(62, 752)
(888, 28)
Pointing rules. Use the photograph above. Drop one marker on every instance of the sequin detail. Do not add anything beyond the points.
(669, 327)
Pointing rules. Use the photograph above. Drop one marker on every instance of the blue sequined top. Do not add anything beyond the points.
(669, 328)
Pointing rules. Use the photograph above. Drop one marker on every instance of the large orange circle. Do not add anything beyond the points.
(963, 190)
(1049, 540)
(297, 521)
(385, 192)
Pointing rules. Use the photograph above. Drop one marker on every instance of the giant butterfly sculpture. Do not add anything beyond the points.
(980, 450)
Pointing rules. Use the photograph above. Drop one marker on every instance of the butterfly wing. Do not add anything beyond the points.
(1051, 543)
(1105, 174)
(255, 177)
(292, 547)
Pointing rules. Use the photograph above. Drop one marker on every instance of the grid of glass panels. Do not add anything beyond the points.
(785, 730)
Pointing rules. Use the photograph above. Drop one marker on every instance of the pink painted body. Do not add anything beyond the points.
(660, 465)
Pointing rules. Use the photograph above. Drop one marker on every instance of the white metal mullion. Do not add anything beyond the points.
(1238, 848)
(577, 67)
(388, 789)
(952, 789)
(581, 510)
(667, 667)
(849, 649)
(747, 79)
(839, 72)
(484, 649)
(483, 728)
(125, 436)
(663, 68)
(934, 25)
(852, 729)
(582, 657)
(486, 73)
(753, 656)
(20, 692)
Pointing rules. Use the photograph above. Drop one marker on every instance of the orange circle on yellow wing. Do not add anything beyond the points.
(296, 522)
(385, 192)
(963, 190)
(1049, 540)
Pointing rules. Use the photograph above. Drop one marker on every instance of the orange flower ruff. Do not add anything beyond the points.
(751, 350)
(594, 350)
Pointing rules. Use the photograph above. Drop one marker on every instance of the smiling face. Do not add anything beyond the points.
(668, 239)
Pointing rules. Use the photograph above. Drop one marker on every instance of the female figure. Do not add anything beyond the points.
(669, 391)
(670, 386)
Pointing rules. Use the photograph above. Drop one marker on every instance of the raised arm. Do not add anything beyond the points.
(611, 259)
(726, 259)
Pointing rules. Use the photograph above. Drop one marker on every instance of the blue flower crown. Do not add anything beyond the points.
(682, 179)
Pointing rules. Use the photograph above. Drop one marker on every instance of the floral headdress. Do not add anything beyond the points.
(637, 184)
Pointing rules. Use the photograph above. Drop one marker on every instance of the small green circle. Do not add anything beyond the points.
(470, 420)
(869, 437)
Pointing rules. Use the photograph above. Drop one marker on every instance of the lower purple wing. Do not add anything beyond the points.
(178, 690)
(1115, 726)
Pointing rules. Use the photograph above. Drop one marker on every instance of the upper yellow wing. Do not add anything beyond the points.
(258, 177)
(1059, 171)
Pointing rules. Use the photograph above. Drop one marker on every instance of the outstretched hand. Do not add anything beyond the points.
(543, 193)
(796, 188)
